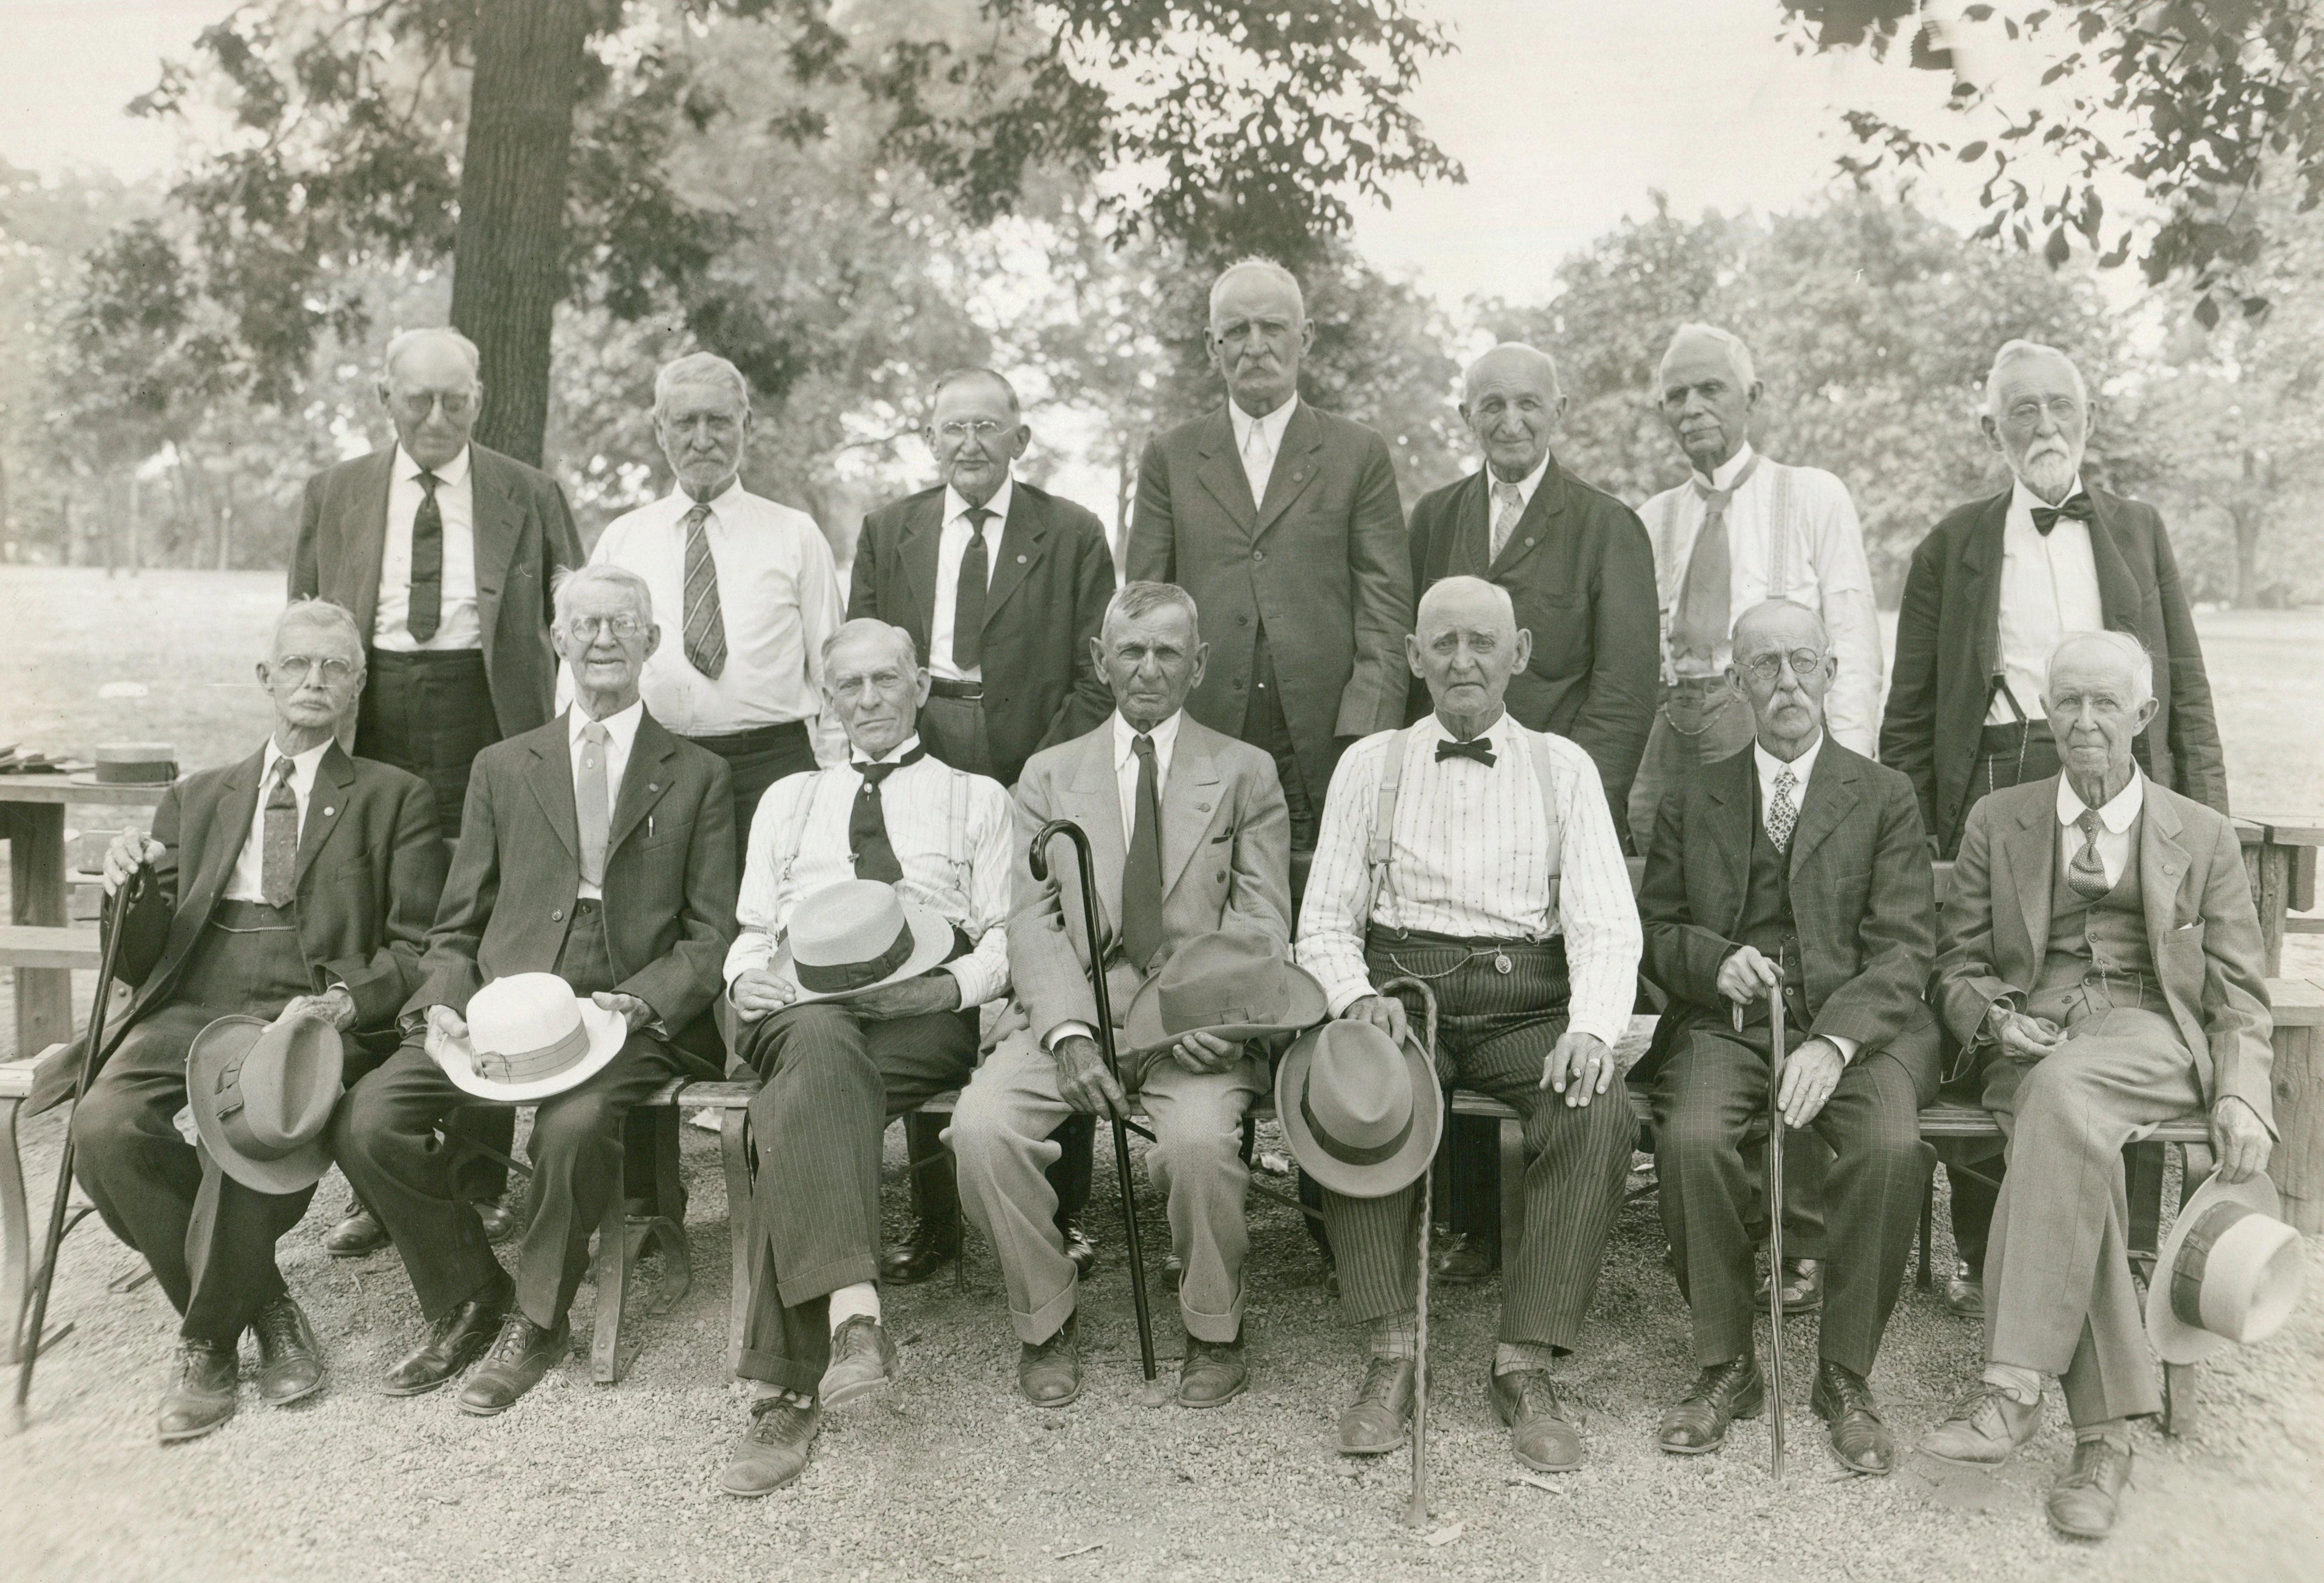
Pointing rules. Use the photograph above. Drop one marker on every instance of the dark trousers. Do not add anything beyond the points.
(953, 731)
(1493, 1030)
(1265, 728)
(1709, 1094)
(756, 759)
(830, 1082)
(146, 1181)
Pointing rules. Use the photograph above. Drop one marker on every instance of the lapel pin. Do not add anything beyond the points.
(1020, 560)
(1201, 807)
(653, 785)
(329, 812)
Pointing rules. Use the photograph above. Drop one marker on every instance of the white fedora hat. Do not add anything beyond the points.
(530, 1036)
(2231, 1270)
(857, 935)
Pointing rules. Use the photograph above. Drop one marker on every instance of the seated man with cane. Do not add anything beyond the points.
(872, 927)
(1189, 838)
(1479, 856)
(296, 884)
(2102, 957)
(1798, 865)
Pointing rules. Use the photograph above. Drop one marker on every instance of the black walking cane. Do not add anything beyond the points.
(1037, 859)
(1775, 1221)
(36, 1307)
(1415, 1512)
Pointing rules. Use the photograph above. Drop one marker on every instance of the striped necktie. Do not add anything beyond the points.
(1509, 505)
(278, 873)
(705, 625)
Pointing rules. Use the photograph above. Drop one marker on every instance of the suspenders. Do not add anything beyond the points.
(1381, 857)
(955, 850)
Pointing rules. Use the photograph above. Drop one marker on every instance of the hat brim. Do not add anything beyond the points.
(1382, 1177)
(608, 1032)
(2175, 1340)
(1142, 1032)
(217, 1043)
(931, 944)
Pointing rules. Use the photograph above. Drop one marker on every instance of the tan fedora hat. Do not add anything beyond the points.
(2231, 1270)
(261, 1093)
(530, 1036)
(1362, 1115)
(1232, 984)
(858, 935)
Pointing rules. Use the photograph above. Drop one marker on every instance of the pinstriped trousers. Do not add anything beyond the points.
(1493, 1030)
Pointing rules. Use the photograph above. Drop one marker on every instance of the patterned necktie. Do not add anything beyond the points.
(279, 848)
(1481, 748)
(427, 609)
(1705, 599)
(1783, 813)
(591, 807)
(705, 626)
(968, 598)
(867, 822)
(2077, 506)
(1509, 505)
(2086, 874)
(1141, 875)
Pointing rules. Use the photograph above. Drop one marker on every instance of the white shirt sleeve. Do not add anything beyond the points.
(1596, 910)
(763, 904)
(1835, 541)
(1336, 913)
(984, 972)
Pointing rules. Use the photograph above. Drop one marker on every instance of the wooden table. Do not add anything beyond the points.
(2280, 856)
(33, 822)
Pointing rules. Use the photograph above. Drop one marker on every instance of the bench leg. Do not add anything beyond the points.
(1513, 1195)
(15, 1233)
(612, 1276)
(2178, 1398)
(735, 1151)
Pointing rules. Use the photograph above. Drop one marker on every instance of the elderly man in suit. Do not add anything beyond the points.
(298, 882)
(1991, 591)
(599, 847)
(2102, 957)
(1187, 833)
(1796, 865)
(997, 582)
(1285, 524)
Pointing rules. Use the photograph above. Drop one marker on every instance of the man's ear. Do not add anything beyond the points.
(1524, 651)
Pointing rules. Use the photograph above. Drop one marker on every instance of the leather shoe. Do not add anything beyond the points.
(1983, 1429)
(932, 1246)
(773, 1451)
(456, 1340)
(862, 1360)
(359, 1234)
(1213, 1373)
(1858, 1439)
(1381, 1416)
(1078, 1246)
(1462, 1260)
(1049, 1372)
(1803, 1287)
(288, 1366)
(1545, 1431)
(1174, 1274)
(1965, 1292)
(521, 1354)
(1720, 1395)
(499, 1220)
(202, 1396)
(2084, 1503)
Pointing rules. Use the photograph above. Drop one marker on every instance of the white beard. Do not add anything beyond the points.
(2049, 474)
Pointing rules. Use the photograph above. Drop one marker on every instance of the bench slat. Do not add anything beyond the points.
(42, 945)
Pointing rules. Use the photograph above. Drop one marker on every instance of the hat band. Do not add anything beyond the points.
(1349, 1154)
(532, 1065)
(2195, 1255)
(829, 977)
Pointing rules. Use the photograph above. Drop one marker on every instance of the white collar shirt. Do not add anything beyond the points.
(1258, 453)
(2049, 588)
(1526, 486)
(951, 545)
(1125, 766)
(1770, 766)
(458, 624)
(621, 735)
(2119, 813)
(248, 880)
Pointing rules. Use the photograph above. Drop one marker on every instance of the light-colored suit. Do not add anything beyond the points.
(1225, 865)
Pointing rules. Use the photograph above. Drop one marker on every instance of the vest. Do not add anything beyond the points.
(2108, 936)
(1766, 924)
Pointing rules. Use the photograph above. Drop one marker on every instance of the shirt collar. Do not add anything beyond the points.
(956, 505)
(1801, 768)
(892, 756)
(2119, 811)
(1501, 734)
(1125, 737)
(622, 725)
(303, 765)
(1525, 485)
(455, 471)
(1723, 475)
(1273, 423)
(685, 501)
(2022, 500)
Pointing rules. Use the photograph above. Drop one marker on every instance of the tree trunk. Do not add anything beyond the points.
(509, 252)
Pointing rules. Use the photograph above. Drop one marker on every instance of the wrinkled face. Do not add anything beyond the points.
(1466, 648)
(1258, 333)
(1707, 406)
(604, 632)
(1152, 662)
(701, 430)
(433, 399)
(2091, 712)
(875, 689)
(313, 673)
(1785, 667)
(974, 433)
(1513, 408)
(2042, 424)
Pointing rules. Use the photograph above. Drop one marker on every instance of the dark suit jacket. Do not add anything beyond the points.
(1321, 562)
(1052, 573)
(670, 873)
(1580, 571)
(2200, 926)
(1862, 901)
(1949, 652)
(524, 533)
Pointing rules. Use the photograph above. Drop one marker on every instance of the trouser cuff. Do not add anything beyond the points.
(774, 1368)
(1047, 1321)
(855, 1269)
(1215, 1327)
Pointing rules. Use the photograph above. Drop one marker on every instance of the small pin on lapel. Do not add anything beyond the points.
(653, 785)
(1020, 560)
(1201, 807)
(329, 812)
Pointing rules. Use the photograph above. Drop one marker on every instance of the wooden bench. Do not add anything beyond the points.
(42, 945)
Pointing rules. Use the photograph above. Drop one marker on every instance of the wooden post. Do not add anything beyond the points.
(2297, 1080)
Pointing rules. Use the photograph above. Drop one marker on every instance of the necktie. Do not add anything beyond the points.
(2087, 873)
(1509, 505)
(1783, 812)
(1141, 875)
(2077, 506)
(277, 872)
(427, 609)
(705, 625)
(591, 807)
(968, 600)
(1258, 460)
(867, 822)
(1477, 747)
(1704, 614)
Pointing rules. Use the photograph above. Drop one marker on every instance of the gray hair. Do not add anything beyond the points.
(1453, 587)
(1468, 374)
(572, 580)
(322, 615)
(2017, 351)
(1136, 599)
(953, 376)
(1738, 356)
(700, 368)
(2134, 655)
(1258, 263)
(1823, 632)
(869, 626)
(404, 340)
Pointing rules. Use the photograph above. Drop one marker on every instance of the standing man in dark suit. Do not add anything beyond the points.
(298, 882)
(993, 579)
(1800, 864)
(1991, 591)
(599, 847)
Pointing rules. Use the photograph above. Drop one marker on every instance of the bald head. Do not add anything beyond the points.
(1511, 402)
(1466, 646)
(428, 383)
(1785, 623)
(1466, 601)
(1783, 666)
(1259, 331)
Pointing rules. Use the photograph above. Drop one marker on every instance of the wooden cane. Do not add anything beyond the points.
(1416, 1511)
(1775, 1223)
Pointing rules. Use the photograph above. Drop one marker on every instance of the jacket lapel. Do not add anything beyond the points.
(1221, 473)
(645, 780)
(2030, 870)
(2118, 592)
(1188, 799)
(237, 806)
(1831, 795)
(1981, 556)
(2163, 865)
(498, 521)
(1297, 466)
(1535, 523)
(363, 529)
(1732, 789)
(550, 775)
(1093, 802)
(1024, 539)
(327, 805)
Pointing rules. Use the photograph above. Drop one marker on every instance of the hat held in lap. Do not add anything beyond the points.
(1361, 1114)
(261, 1094)
(1231, 984)
(2231, 1270)
(530, 1036)
(860, 934)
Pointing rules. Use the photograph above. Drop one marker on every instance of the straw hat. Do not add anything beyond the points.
(858, 935)
(1232, 984)
(2231, 1270)
(530, 1036)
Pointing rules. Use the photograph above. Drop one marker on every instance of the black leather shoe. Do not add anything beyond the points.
(1078, 1246)
(1213, 1373)
(862, 1360)
(290, 1367)
(1174, 1274)
(930, 1247)
(1544, 1429)
(456, 1341)
(1803, 1287)
(1720, 1395)
(773, 1451)
(1377, 1422)
(359, 1234)
(1461, 1260)
(1859, 1438)
(1049, 1372)
(522, 1353)
(2085, 1503)
(202, 1396)
(1965, 1292)
(499, 1221)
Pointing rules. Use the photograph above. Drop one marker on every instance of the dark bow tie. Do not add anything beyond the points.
(2077, 506)
(873, 774)
(1476, 748)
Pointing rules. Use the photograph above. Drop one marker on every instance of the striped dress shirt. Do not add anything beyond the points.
(800, 845)
(1471, 859)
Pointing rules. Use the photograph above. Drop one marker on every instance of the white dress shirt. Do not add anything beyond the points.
(2115, 820)
(1802, 768)
(1825, 569)
(1469, 855)
(248, 880)
(2049, 588)
(952, 544)
(777, 595)
(800, 845)
(1125, 784)
(1259, 460)
(621, 734)
(458, 626)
